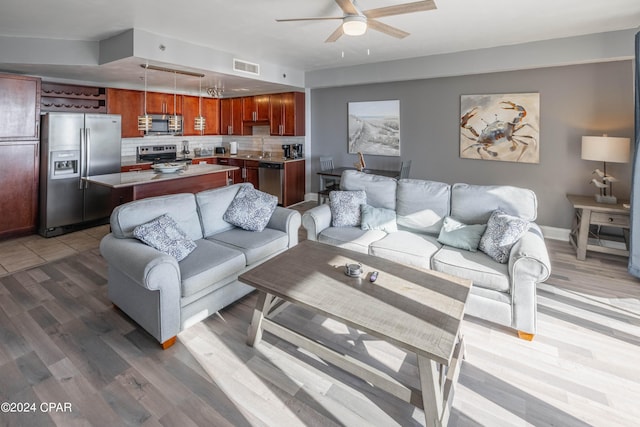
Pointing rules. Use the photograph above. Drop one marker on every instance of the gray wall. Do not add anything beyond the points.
(576, 100)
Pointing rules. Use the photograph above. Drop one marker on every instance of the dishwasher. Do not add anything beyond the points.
(271, 178)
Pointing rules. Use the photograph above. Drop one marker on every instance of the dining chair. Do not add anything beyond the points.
(404, 169)
(326, 184)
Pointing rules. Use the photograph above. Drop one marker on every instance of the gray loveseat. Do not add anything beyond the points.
(501, 293)
(165, 296)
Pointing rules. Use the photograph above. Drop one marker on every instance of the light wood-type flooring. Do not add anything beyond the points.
(62, 342)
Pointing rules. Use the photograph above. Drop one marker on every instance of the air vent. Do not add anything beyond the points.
(246, 67)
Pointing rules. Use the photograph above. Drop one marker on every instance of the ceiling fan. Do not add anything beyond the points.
(355, 21)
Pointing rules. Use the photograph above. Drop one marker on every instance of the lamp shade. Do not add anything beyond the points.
(354, 25)
(606, 149)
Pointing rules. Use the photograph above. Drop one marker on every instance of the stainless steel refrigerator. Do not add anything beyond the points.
(74, 146)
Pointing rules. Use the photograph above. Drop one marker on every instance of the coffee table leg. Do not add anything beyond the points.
(255, 329)
(431, 391)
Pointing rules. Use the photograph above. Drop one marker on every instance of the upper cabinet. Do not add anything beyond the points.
(255, 108)
(164, 103)
(286, 114)
(129, 104)
(231, 116)
(210, 109)
(19, 107)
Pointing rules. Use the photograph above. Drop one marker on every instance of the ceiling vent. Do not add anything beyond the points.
(246, 67)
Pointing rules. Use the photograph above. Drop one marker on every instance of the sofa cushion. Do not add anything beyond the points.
(381, 190)
(251, 209)
(406, 248)
(378, 219)
(209, 263)
(503, 231)
(181, 207)
(476, 266)
(166, 236)
(212, 204)
(474, 204)
(422, 205)
(353, 238)
(459, 235)
(345, 207)
(256, 245)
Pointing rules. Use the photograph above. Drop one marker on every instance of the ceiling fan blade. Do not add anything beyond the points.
(348, 7)
(335, 35)
(309, 19)
(386, 29)
(400, 9)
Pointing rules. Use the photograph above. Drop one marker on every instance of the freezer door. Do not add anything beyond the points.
(102, 152)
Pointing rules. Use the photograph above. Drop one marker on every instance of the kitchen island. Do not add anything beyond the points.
(128, 186)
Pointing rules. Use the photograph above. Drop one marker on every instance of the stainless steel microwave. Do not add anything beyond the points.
(160, 125)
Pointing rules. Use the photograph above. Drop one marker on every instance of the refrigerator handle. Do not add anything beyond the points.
(88, 155)
(82, 160)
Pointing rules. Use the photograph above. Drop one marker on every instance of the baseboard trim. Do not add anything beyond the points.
(555, 233)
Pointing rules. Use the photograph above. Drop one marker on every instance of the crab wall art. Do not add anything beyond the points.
(500, 127)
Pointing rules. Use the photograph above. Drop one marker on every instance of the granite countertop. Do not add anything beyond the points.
(242, 155)
(128, 179)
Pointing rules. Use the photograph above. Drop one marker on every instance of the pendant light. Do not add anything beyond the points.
(144, 122)
(200, 121)
(174, 120)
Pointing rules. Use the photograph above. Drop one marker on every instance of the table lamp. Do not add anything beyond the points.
(605, 149)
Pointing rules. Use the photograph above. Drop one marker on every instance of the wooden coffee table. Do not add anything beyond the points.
(417, 310)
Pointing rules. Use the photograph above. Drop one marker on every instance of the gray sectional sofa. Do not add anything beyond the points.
(165, 296)
(501, 293)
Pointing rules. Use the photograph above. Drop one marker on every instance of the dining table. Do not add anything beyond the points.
(335, 174)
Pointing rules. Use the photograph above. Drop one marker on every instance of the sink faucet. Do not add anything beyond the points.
(262, 140)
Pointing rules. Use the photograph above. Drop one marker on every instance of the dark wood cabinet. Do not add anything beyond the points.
(164, 103)
(129, 104)
(73, 98)
(19, 108)
(231, 116)
(20, 154)
(236, 175)
(255, 108)
(286, 114)
(135, 168)
(251, 172)
(294, 183)
(210, 111)
(19, 190)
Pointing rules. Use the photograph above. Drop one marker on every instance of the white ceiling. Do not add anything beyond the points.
(247, 28)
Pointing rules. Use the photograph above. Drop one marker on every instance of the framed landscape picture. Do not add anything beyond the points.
(503, 127)
(374, 128)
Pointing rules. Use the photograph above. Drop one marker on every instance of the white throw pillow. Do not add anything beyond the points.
(503, 231)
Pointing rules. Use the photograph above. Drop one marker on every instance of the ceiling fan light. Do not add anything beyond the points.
(354, 25)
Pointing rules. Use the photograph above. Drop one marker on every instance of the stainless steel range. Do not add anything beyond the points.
(159, 154)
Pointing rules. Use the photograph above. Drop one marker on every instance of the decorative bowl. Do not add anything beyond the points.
(167, 167)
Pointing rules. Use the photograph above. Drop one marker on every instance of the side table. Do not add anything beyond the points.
(588, 212)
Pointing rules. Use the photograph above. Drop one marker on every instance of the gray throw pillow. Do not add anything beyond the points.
(461, 236)
(164, 234)
(345, 207)
(251, 209)
(503, 231)
(378, 219)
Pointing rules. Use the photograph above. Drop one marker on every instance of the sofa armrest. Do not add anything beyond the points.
(287, 220)
(145, 265)
(528, 265)
(315, 220)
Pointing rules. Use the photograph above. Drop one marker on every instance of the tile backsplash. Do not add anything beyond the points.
(272, 144)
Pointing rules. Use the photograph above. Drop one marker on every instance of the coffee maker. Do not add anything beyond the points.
(296, 151)
(287, 151)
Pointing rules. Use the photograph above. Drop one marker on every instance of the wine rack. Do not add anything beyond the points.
(72, 98)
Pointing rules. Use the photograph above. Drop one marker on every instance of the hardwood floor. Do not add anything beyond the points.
(61, 341)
